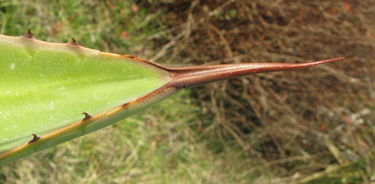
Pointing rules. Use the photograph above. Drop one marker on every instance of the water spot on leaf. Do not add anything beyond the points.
(13, 66)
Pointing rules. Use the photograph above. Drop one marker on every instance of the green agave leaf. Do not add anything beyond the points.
(54, 92)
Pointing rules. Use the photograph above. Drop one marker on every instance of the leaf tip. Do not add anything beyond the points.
(28, 34)
(35, 138)
(326, 61)
(87, 116)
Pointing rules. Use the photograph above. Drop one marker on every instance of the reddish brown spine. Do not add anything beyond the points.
(28, 34)
(186, 77)
(74, 42)
(87, 116)
(35, 138)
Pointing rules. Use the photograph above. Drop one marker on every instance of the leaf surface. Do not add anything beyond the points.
(46, 86)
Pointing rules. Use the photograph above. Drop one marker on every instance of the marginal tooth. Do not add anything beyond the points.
(74, 42)
(87, 116)
(129, 56)
(35, 138)
(28, 34)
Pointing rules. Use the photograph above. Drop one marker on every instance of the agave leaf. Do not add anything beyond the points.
(54, 92)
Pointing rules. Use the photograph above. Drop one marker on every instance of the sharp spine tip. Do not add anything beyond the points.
(35, 138)
(87, 116)
(28, 34)
(74, 42)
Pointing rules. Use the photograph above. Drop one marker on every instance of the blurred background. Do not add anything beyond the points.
(313, 125)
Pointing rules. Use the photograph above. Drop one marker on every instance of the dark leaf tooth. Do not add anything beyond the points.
(129, 56)
(125, 104)
(87, 116)
(74, 42)
(28, 34)
(35, 138)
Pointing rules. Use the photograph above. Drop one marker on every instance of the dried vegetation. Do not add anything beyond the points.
(300, 124)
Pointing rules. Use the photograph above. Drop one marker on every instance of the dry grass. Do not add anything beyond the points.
(297, 123)
(309, 126)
